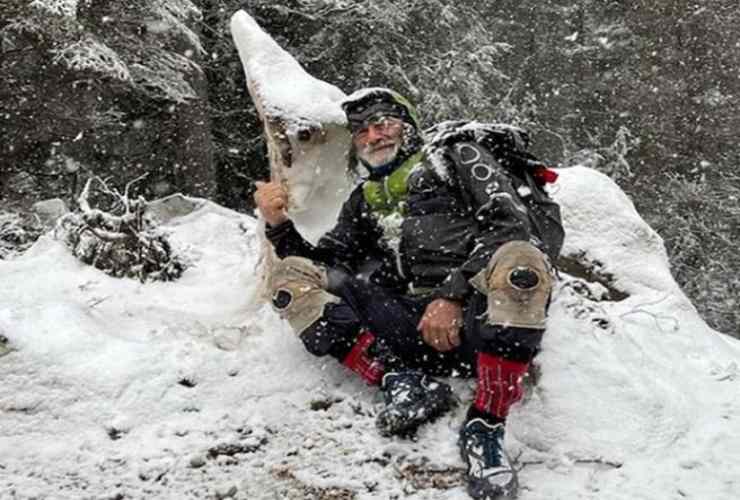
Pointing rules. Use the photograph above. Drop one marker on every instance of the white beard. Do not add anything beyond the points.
(379, 158)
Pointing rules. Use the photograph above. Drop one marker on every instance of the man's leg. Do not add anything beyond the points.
(503, 355)
(504, 325)
(336, 314)
(412, 397)
(339, 333)
(369, 330)
(324, 322)
(393, 319)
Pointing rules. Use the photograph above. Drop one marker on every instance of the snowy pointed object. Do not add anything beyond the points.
(305, 127)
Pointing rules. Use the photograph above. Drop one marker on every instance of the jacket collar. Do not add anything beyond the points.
(388, 193)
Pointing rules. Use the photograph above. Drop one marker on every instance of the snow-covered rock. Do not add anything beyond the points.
(178, 389)
(48, 211)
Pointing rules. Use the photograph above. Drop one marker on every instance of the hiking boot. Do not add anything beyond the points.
(490, 475)
(411, 399)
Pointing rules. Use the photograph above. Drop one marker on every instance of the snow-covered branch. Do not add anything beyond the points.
(119, 240)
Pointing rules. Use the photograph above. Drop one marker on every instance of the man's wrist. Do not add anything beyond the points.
(276, 232)
(277, 223)
(450, 300)
(455, 287)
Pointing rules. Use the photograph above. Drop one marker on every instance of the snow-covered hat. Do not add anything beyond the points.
(364, 103)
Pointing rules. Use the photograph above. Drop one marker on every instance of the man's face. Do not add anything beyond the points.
(378, 140)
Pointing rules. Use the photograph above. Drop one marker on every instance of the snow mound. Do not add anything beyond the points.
(635, 396)
(184, 389)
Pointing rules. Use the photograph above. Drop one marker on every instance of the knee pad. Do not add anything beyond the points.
(298, 290)
(517, 281)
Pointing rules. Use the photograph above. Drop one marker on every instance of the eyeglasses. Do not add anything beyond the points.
(383, 123)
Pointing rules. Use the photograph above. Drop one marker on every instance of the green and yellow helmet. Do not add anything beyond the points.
(364, 103)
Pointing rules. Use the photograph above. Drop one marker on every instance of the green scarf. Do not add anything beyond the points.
(389, 194)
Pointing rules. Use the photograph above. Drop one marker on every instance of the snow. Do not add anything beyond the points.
(292, 93)
(174, 15)
(91, 54)
(65, 8)
(185, 389)
(440, 134)
(654, 390)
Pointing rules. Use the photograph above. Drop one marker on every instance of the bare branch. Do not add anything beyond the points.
(108, 236)
(128, 186)
(82, 199)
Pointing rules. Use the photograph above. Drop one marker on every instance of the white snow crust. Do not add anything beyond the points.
(118, 389)
(285, 89)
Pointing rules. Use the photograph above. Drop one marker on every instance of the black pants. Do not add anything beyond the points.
(393, 319)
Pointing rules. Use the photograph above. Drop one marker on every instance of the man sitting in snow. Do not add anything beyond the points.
(438, 264)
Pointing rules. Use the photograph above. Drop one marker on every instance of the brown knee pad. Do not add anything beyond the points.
(518, 281)
(298, 288)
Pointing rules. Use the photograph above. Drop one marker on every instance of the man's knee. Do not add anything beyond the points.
(518, 282)
(512, 343)
(298, 290)
(334, 333)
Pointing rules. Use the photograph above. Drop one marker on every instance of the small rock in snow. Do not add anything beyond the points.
(228, 338)
(226, 492)
(50, 210)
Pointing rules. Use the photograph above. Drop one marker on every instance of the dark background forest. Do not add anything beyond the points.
(644, 91)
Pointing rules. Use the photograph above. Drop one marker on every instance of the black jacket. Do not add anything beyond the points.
(460, 208)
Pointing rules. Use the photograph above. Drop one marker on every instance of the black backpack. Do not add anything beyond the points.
(508, 145)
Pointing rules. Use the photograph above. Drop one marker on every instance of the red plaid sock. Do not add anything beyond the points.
(359, 361)
(499, 384)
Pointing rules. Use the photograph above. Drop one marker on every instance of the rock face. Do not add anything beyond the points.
(48, 211)
(170, 207)
(77, 119)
